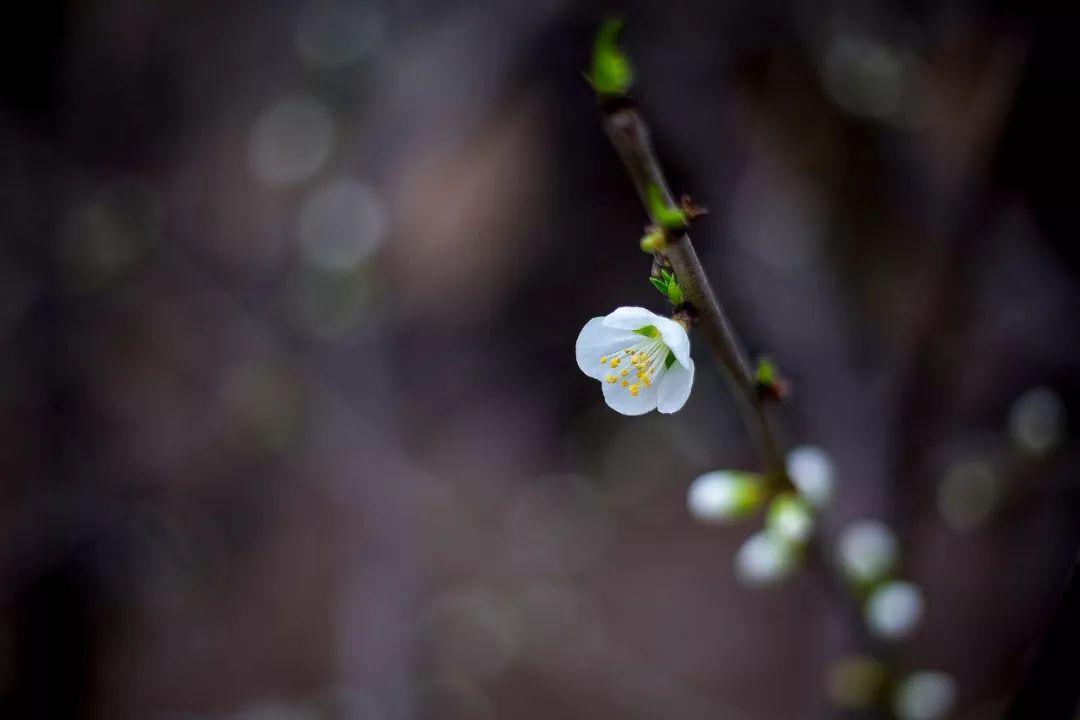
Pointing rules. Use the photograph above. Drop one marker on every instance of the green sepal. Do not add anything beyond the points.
(748, 492)
(766, 372)
(674, 292)
(648, 331)
(791, 518)
(669, 217)
(669, 360)
(611, 74)
(654, 241)
(668, 286)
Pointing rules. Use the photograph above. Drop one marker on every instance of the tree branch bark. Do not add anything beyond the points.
(629, 134)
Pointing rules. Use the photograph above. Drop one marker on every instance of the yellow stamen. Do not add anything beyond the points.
(614, 362)
(625, 383)
(611, 379)
(603, 360)
(624, 373)
(634, 390)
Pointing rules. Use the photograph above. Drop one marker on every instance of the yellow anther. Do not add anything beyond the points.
(611, 379)
(603, 360)
(634, 390)
(624, 372)
(614, 362)
(625, 383)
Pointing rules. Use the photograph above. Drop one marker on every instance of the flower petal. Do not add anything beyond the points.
(595, 341)
(631, 318)
(622, 400)
(674, 387)
(675, 337)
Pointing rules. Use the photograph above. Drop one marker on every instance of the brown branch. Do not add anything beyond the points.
(628, 132)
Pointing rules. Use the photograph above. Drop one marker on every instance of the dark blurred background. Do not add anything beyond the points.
(292, 427)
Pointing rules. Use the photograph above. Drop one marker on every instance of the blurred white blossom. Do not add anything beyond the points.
(925, 696)
(969, 494)
(1037, 421)
(340, 225)
(813, 473)
(790, 518)
(867, 551)
(291, 140)
(765, 559)
(723, 495)
(893, 610)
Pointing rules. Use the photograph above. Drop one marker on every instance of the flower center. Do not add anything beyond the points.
(646, 360)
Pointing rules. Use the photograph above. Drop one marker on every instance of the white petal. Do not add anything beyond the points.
(596, 341)
(631, 318)
(675, 337)
(813, 472)
(674, 387)
(621, 400)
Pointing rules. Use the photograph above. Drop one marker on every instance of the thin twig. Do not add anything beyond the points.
(629, 133)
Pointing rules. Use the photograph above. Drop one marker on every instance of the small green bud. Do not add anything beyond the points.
(765, 374)
(674, 291)
(669, 217)
(655, 240)
(790, 518)
(611, 73)
(856, 681)
(767, 381)
(668, 286)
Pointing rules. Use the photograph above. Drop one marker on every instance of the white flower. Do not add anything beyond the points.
(790, 518)
(813, 473)
(925, 695)
(1037, 421)
(723, 495)
(893, 610)
(641, 359)
(765, 559)
(867, 551)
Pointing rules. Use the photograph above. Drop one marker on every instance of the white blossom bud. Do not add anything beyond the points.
(765, 559)
(812, 471)
(867, 551)
(925, 696)
(723, 495)
(893, 610)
